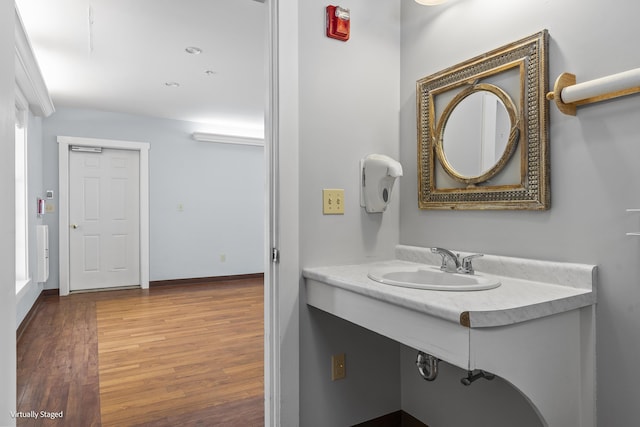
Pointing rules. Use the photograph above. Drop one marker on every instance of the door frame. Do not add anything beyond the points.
(282, 278)
(64, 143)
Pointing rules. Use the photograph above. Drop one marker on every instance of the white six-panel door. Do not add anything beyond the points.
(104, 219)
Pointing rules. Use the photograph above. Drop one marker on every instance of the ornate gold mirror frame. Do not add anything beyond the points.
(519, 179)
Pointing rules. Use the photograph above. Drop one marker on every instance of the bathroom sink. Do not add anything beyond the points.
(431, 278)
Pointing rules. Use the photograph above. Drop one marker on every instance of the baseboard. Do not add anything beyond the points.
(32, 311)
(197, 280)
(394, 419)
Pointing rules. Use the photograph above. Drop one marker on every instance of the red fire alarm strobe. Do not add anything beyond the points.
(338, 23)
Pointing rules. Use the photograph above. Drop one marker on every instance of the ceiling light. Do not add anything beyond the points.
(430, 2)
(172, 84)
(193, 50)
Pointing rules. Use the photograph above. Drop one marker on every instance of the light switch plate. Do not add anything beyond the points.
(333, 201)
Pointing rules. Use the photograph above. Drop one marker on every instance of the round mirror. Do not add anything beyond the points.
(478, 133)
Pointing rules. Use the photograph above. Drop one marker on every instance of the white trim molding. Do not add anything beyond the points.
(64, 143)
(28, 75)
(282, 279)
(227, 139)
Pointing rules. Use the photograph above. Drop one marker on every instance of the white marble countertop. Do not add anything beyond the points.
(529, 289)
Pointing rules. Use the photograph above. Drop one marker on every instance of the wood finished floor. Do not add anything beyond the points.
(172, 356)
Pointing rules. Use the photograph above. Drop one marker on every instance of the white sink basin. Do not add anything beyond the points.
(431, 278)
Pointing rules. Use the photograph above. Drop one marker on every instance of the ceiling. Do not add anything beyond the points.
(118, 55)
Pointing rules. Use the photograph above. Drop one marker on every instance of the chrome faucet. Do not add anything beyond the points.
(451, 263)
(466, 267)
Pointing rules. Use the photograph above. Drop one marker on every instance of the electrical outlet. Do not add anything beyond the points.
(338, 367)
(333, 201)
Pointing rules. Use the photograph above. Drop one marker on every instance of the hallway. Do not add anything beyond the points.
(189, 355)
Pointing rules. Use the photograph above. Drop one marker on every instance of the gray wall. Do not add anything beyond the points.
(594, 178)
(7, 217)
(348, 108)
(220, 230)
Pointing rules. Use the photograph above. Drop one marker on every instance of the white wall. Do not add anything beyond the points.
(594, 178)
(348, 108)
(220, 230)
(29, 294)
(7, 218)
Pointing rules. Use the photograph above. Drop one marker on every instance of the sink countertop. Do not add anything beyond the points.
(529, 289)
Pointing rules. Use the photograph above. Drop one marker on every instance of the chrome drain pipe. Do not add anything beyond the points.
(427, 366)
(475, 375)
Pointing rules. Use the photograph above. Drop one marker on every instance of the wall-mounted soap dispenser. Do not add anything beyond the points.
(378, 173)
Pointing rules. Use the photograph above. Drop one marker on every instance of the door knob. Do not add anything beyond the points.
(74, 226)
